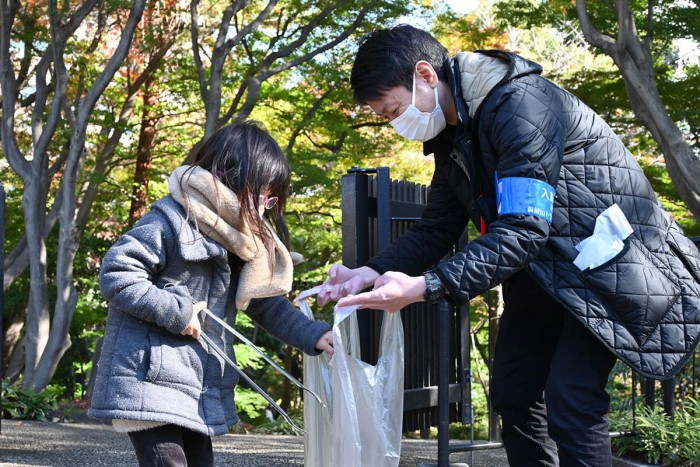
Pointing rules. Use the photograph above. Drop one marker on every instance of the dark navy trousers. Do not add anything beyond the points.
(548, 382)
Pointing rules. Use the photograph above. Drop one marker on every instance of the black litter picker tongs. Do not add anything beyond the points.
(246, 378)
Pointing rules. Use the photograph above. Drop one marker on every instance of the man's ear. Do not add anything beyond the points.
(426, 71)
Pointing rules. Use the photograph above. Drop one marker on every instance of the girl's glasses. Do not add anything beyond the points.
(268, 202)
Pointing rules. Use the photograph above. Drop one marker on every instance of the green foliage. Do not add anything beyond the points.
(661, 439)
(620, 389)
(678, 19)
(27, 404)
(527, 14)
(250, 405)
(666, 191)
(459, 431)
(280, 426)
(474, 31)
(480, 359)
(246, 357)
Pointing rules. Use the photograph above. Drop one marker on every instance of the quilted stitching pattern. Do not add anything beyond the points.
(645, 303)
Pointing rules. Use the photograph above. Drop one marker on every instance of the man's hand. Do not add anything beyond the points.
(325, 343)
(195, 328)
(344, 281)
(392, 292)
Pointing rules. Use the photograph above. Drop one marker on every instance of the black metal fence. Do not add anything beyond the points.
(438, 376)
(376, 211)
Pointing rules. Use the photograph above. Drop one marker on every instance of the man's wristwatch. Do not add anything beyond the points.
(434, 292)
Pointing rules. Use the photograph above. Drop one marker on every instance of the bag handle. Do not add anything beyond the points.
(339, 312)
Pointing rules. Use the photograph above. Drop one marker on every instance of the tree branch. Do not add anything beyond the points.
(43, 132)
(262, 16)
(221, 51)
(337, 40)
(266, 72)
(308, 116)
(304, 33)
(8, 87)
(194, 32)
(627, 30)
(592, 35)
(66, 295)
(104, 78)
(649, 39)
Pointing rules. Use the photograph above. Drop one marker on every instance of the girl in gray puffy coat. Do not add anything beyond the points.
(209, 244)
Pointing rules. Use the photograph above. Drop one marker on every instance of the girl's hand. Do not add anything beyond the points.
(325, 343)
(194, 328)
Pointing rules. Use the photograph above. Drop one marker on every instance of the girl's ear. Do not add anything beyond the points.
(426, 71)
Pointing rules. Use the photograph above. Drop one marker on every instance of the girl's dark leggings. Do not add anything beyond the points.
(172, 446)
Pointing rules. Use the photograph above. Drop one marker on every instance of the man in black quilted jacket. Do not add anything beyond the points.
(592, 267)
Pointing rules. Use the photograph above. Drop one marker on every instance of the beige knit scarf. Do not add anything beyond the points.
(217, 214)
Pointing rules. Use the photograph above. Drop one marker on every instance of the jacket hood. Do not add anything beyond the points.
(518, 66)
(192, 245)
(477, 73)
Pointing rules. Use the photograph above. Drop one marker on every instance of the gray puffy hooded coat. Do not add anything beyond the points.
(147, 369)
(644, 304)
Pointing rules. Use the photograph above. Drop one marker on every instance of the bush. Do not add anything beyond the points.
(27, 404)
(280, 426)
(664, 440)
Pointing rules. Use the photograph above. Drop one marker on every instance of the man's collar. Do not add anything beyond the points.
(442, 143)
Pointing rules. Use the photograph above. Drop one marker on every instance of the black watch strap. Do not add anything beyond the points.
(434, 292)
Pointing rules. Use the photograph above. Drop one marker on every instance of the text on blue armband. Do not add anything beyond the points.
(520, 195)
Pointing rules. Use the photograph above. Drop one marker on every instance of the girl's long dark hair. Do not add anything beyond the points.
(247, 160)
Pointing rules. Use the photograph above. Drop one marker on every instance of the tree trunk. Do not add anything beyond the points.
(633, 57)
(144, 152)
(66, 295)
(682, 163)
(15, 363)
(37, 329)
(13, 334)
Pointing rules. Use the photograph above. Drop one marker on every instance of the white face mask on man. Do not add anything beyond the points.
(417, 125)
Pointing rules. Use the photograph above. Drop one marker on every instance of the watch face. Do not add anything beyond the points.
(433, 288)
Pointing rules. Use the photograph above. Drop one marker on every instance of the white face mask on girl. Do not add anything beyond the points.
(419, 126)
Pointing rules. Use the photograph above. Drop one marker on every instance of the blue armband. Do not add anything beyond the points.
(520, 195)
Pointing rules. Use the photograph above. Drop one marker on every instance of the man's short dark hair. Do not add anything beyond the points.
(387, 57)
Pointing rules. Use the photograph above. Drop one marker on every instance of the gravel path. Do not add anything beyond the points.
(42, 444)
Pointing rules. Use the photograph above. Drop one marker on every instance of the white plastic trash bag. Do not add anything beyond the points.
(364, 402)
(317, 420)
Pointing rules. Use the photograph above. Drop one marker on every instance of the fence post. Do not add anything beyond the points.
(443, 423)
(494, 321)
(354, 199)
(669, 396)
(383, 208)
(2, 290)
(356, 244)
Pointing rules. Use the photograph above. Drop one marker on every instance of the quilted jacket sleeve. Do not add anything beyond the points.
(522, 127)
(128, 269)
